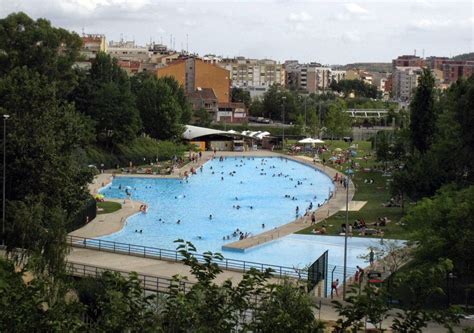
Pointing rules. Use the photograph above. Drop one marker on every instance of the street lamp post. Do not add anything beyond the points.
(283, 120)
(305, 97)
(5, 118)
(347, 180)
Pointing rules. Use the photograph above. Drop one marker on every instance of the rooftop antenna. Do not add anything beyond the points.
(171, 41)
(423, 53)
(187, 44)
(415, 52)
(161, 40)
(83, 34)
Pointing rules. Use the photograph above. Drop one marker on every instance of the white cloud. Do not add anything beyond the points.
(431, 24)
(351, 36)
(355, 9)
(299, 17)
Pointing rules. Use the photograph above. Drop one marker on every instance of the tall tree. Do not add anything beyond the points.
(423, 117)
(337, 122)
(160, 109)
(46, 182)
(105, 96)
(47, 50)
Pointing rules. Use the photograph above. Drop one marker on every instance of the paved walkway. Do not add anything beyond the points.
(145, 266)
(106, 224)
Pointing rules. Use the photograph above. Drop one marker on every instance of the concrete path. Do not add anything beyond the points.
(106, 224)
(327, 313)
(145, 266)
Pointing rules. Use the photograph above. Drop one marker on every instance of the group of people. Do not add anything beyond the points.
(143, 208)
(238, 233)
(358, 278)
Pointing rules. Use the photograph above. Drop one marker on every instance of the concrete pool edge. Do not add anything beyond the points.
(334, 205)
(110, 223)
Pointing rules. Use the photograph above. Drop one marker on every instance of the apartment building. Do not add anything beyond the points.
(91, 45)
(254, 74)
(454, 70)
(404, 82)
(128, 50)
(193, 73)
(312, 77)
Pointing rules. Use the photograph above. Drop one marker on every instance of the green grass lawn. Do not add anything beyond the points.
(107, 207)
(375, 194)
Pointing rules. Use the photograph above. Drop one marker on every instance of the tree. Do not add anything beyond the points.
(160, 109)
(105, 96)
(436, 224)
(223, 308)
(203, 118)
(422, 109)
(337, 122)
(240, 95)
(358, 87)
(256, 108)
(46, 50)
(312, 123)
(43, 139)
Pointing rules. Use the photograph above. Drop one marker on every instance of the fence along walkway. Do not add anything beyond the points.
(175, 256)
(148, 282)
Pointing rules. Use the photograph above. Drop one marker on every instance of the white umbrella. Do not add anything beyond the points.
(308, 140)
(318, 141)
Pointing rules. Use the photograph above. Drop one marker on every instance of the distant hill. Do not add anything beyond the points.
(370, 66)
(464, 56)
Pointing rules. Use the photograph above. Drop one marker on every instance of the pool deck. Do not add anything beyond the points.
(145, 266)
(109, 223)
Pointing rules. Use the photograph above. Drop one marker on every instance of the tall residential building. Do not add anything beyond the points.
(310, 77)
(404, 82)
(252, 74)
(193, 73)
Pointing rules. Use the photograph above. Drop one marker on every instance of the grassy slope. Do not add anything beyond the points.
(108, 207)
(375, 194)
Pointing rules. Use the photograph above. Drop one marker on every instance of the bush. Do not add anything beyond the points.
(142, 150)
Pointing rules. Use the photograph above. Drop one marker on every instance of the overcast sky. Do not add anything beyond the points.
(330, 32)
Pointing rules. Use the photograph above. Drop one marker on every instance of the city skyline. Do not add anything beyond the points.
(327, 32)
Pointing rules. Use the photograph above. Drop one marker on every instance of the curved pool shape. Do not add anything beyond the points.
(266, 184)
(257, 185)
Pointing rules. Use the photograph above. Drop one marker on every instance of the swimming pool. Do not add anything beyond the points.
(267, 190)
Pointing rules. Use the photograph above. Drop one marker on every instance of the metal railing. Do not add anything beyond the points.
(148, 282)
(175, 256)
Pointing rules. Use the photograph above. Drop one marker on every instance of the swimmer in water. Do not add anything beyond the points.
(210, 217)
(178, 222)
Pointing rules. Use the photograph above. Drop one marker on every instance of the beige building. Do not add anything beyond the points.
(404, 82)
(254, 73)
(310, 77)
(128, 51)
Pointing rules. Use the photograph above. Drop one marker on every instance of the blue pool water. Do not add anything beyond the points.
(260, 183)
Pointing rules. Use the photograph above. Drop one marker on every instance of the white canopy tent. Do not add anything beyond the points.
(311, 140)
